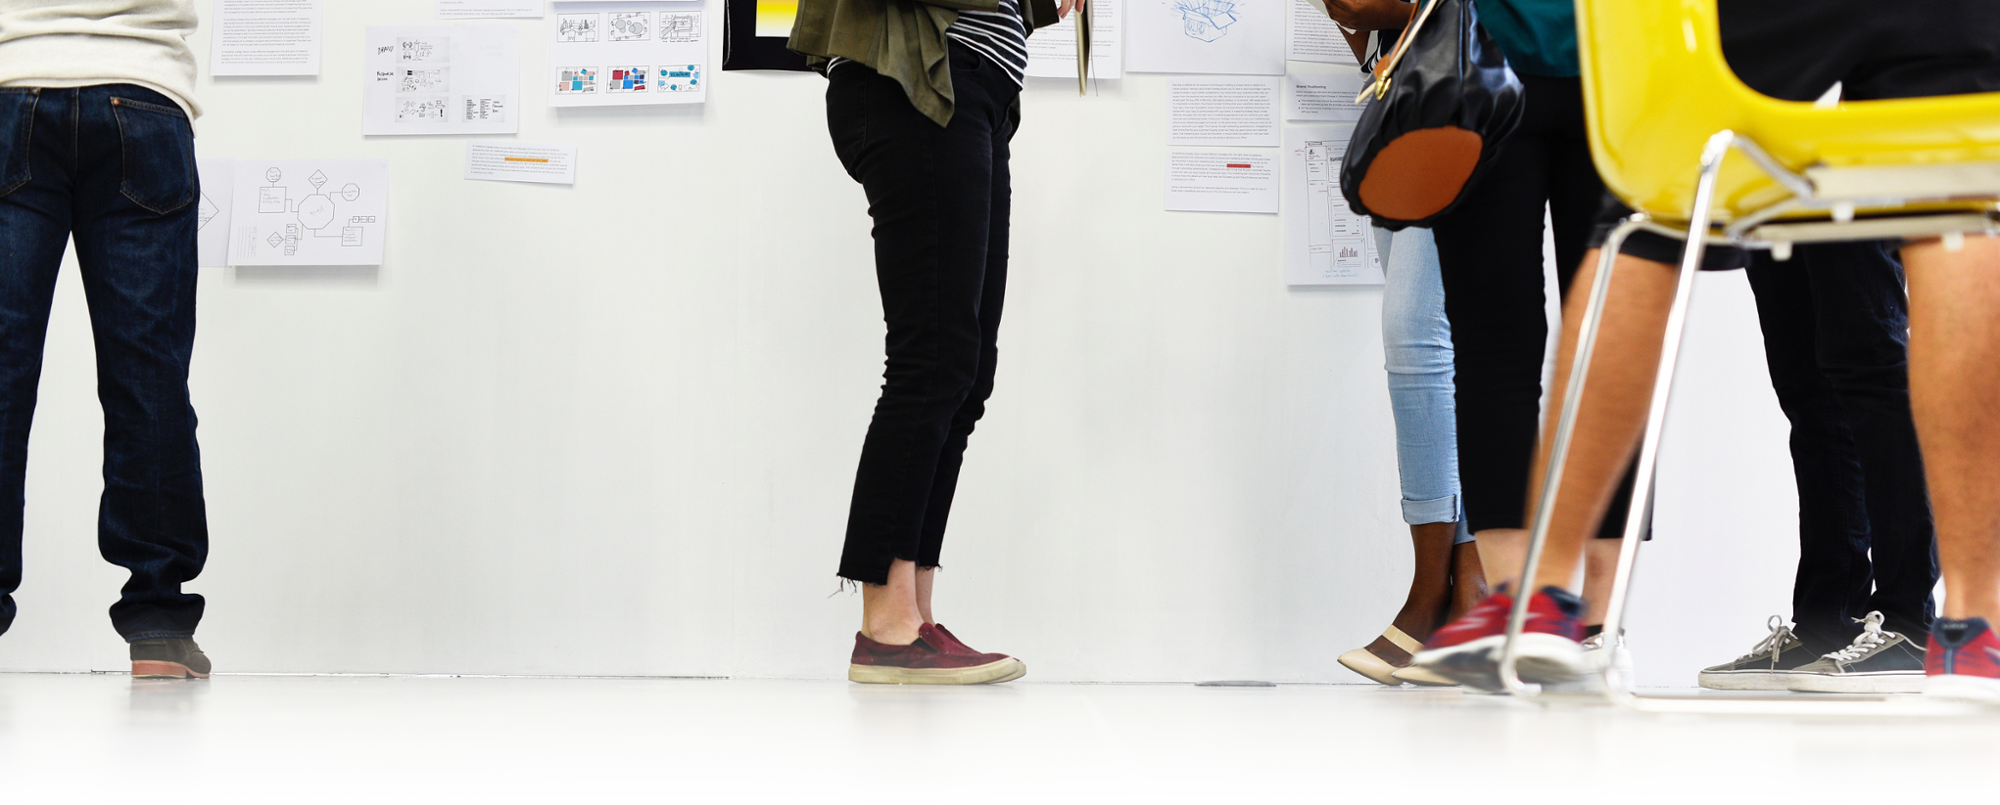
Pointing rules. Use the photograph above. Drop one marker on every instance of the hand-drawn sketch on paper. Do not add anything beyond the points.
(630, 26)
(576, 27)
(310, 212)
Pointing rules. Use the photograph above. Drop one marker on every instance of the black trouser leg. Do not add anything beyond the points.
(1834, 576)
(935, 193)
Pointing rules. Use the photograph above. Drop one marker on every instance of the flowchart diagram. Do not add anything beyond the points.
(329, 212)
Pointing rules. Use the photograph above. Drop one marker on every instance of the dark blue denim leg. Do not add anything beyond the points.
(930, 191)
(1863, 347)
(35, 159)
(135, 229)
(1834, 575)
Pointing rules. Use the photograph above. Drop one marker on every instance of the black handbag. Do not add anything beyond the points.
(1440, 105)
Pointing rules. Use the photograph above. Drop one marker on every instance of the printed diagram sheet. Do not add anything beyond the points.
(218, 187)
(309, 212)
(1052, 50)
(442, 79)
(1326, 243)
(1238, 37)
(616, 53)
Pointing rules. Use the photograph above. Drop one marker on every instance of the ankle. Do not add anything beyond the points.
(892, 631)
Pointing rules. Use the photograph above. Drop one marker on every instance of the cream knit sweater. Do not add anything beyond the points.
(80, 43)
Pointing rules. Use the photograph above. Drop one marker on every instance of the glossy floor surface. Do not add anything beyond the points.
(271, 739)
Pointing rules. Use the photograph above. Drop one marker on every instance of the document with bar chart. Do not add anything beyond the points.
(1326, 243)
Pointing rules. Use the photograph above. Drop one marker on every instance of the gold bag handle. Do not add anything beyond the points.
(1380, 86)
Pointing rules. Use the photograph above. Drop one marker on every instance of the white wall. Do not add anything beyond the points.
(611, 429)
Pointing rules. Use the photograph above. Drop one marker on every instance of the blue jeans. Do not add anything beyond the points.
(1416, 341)
(113, 167)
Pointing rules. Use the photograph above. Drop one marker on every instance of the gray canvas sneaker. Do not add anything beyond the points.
(1768, 666)
(1876, 662)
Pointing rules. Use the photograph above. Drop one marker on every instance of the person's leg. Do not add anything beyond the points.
(1418, 360)
(135, 226)
(1613, 412)
(1954, 352)
(991, 299)
(1416, 343)
(1834, 577)
(35, 157)
(1864, 353)
(929, 192)
(1490, 261)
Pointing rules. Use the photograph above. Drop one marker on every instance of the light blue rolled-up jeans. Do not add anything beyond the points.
(1417, 342)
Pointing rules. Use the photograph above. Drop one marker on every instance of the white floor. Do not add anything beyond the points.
(280, 739)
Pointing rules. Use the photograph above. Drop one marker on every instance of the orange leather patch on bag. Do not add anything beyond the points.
(1421, 172)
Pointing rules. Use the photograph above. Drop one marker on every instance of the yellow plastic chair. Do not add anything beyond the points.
(1702, 157)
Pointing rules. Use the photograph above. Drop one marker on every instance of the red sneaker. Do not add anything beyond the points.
(1963, 661)
(931, 660)
(1468, 649)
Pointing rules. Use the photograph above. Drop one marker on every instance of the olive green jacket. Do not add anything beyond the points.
(901, 39)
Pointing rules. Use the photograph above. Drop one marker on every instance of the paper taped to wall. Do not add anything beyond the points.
(1326, 243)
(1222, 181)
(218, 187)
(520, 162)
(309, 212)
(265, 37)
(442, 79)
(627, 54)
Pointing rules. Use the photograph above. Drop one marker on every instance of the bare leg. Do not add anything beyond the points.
(926, 579)
(1613, 413)
(889, 611)
(1600, 564)
(1430, 590)
(1503, 549)
(1954, 380)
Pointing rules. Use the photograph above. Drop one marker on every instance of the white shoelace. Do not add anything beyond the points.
(1775, 643)
(1871, 638)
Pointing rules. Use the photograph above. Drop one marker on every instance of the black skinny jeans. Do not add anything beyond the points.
(1835, 337)
(1490, 256)
(940, 199)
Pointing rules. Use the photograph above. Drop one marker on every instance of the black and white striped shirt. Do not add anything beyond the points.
(1001, 36)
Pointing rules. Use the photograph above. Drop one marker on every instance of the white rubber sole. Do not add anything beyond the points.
(1891, 682)
(1006, 670)
(1959, 687)
(1543, 659)
(1746, 680)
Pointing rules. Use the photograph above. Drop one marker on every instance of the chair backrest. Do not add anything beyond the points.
(1656, 87)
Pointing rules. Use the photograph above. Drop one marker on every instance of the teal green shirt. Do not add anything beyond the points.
(1538, 36)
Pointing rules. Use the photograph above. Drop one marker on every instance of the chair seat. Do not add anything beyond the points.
(1652, 101)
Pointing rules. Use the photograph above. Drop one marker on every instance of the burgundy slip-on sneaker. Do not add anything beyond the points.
(927, 662)
(950, 644)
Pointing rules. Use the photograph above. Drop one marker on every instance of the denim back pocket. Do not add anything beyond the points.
(17, 128)
(159, 154)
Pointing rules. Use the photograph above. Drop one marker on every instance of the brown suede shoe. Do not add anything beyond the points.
(928, 662)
